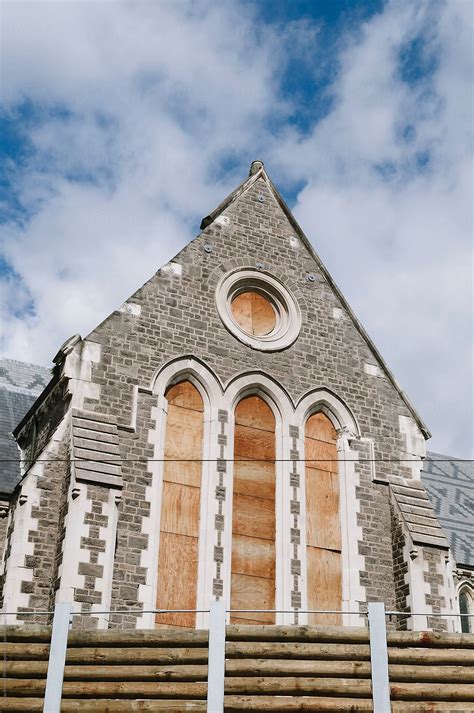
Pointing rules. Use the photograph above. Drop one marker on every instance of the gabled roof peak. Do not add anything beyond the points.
(257, 172)
(255, 167)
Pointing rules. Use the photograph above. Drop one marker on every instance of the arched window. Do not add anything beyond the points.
(323, 530)
(466, 608)
(253, 513)
(180, 505)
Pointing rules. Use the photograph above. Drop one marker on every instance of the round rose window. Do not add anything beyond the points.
(254, 313)
(258, 309)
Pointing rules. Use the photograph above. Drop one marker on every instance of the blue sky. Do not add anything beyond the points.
(122, 124)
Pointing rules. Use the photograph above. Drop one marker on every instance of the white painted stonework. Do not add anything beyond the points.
(28, 498)
(415, 445)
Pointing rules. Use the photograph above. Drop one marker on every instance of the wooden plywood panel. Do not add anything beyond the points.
(242, 311)
(177, 577)
(323, 527)
(180, 505)
(180, 509)
(254, 517)
(184, 430)
(324, 585)
(321, 455)
(185, 395)
(253, 411)
(185, 473)
(263, 315)
(183, 449)
(253, 478)
(253, 593)
(252, 443)
(253, 313)
(253, 556)
(319, 426)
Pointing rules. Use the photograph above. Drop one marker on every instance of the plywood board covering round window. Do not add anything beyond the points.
(254, 313)
(258, 309)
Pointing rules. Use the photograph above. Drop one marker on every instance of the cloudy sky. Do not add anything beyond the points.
(123, 123)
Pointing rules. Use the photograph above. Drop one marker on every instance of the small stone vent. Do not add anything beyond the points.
(95, 445)
(417, 512)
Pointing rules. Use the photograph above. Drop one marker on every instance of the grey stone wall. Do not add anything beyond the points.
(45, 537)
(400, 568)
(179, 317)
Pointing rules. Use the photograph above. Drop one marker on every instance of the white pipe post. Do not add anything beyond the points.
(216, 662)
(379, 658)
(57, 657)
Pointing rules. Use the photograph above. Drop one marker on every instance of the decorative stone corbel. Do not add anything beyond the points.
(347, 436)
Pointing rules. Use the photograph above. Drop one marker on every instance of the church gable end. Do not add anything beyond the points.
(244, 314)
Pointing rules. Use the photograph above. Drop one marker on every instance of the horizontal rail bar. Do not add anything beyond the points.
(232, 611)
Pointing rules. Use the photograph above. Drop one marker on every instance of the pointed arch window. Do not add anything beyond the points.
(253, 512)
(323, 529)
(180, 505)
(466, 609)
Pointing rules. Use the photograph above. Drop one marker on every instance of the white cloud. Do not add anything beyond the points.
(401, 245)
(150, 98)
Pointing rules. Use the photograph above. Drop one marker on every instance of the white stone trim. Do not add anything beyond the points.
(72, 554)
(16, 571)
(353, 563)
(107, 558)
(151, 525)
(347, 429)
(446, 590)
(177, 369)
(335, 409)
(185, 368)
(466, 585)
(415, 445)
(78, 369)
(15, 567)
(419, 588)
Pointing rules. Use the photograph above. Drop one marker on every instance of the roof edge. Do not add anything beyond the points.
(244, 186)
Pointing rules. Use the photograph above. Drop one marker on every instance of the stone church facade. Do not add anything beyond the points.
(230, 432)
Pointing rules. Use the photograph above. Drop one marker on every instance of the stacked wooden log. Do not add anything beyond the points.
(268, 668)
(160, 670)
(289, 668)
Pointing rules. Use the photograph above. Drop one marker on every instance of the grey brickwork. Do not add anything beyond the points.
(400, 568)
(434, 577)
(177, 316)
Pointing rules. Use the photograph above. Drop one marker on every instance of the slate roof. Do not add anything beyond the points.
(450, 487)
(20, 385)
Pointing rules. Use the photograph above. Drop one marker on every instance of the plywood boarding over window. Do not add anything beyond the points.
(253, 516)
(323, 530)
(254, 313)
(180, 506)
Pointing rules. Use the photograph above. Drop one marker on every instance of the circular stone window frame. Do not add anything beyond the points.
(287, 311)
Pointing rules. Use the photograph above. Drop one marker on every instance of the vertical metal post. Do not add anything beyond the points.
(216, 663)
(57, 658)
(379, 658)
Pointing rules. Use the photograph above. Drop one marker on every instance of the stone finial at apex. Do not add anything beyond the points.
(255, 166)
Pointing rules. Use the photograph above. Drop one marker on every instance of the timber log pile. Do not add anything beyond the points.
(268, 668)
